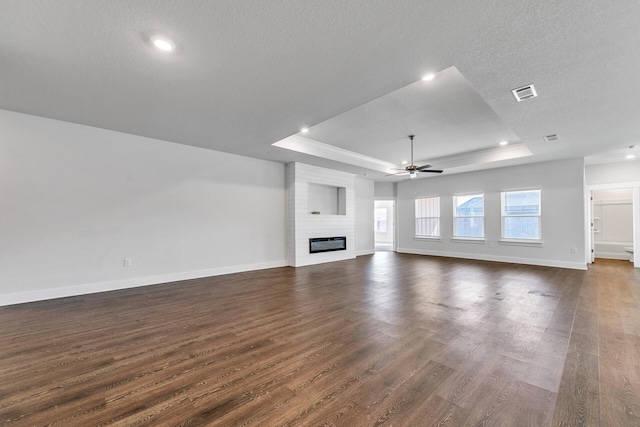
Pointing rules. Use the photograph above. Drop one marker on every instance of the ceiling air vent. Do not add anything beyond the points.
(524, 92)
(552, 137)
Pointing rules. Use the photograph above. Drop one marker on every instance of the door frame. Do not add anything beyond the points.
(635, 189)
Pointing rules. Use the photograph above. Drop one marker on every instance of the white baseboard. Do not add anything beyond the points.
(511, 260)
(134, 282)
(365, 252)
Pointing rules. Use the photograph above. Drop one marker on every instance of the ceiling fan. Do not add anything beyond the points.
(412, 169)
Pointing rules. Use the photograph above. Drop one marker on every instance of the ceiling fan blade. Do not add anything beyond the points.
(413, 170)
(427, 168)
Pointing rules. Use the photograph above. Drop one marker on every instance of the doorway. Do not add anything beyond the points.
(384, 225)
(613, 225)
(612, 219)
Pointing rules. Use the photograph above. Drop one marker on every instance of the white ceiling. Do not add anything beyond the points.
(247, 74)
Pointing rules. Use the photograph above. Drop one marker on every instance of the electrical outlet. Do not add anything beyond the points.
(574, 250)
(126, 262)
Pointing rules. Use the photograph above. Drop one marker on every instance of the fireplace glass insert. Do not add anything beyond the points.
(327, 244)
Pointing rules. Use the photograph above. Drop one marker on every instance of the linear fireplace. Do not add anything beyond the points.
(327, 244)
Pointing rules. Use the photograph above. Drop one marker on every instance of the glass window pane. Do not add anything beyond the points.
(428, 227)
(381, 220)
(432, 207)
(427, 214)
(469, 227)
(470, 205)
(522, 202)
(429, 206)
(523, 227)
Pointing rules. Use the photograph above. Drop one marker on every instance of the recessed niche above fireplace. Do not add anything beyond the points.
(326, 200)
(327, 244)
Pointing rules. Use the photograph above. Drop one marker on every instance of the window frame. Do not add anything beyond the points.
(524, 240)
(456, 236)
(416, 218)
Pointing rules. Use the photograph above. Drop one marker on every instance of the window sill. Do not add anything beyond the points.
(521, 242)
(428, 239)
(468, 239)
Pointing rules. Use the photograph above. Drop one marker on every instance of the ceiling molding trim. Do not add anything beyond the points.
(315, 148)
(488, 155)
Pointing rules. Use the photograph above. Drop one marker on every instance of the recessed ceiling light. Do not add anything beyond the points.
(428, 77)
(163, 44)
(630, 156)
(404, 162)
(304, 130)
(503, 142)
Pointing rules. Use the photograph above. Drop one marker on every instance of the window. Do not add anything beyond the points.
(468, 216)
(381, 220)
(428, 217)
(521, 215)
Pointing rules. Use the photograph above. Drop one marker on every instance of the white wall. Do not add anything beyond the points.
(302, 225)
(364, 188)
(613, 173)
(385, 190)
(76, 201)
(563, 216)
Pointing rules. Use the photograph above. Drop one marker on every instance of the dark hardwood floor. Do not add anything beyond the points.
(388, 339)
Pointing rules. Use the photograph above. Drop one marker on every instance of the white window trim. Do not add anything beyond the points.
(431, 239)
(467, 238)
(462, 239)
(522, 241)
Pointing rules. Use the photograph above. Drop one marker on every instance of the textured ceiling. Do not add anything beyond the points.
(247, 74)
(446, 114)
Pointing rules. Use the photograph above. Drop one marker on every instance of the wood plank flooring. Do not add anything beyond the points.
(383, 340)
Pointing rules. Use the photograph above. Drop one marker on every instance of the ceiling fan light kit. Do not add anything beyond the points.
(412, 169)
